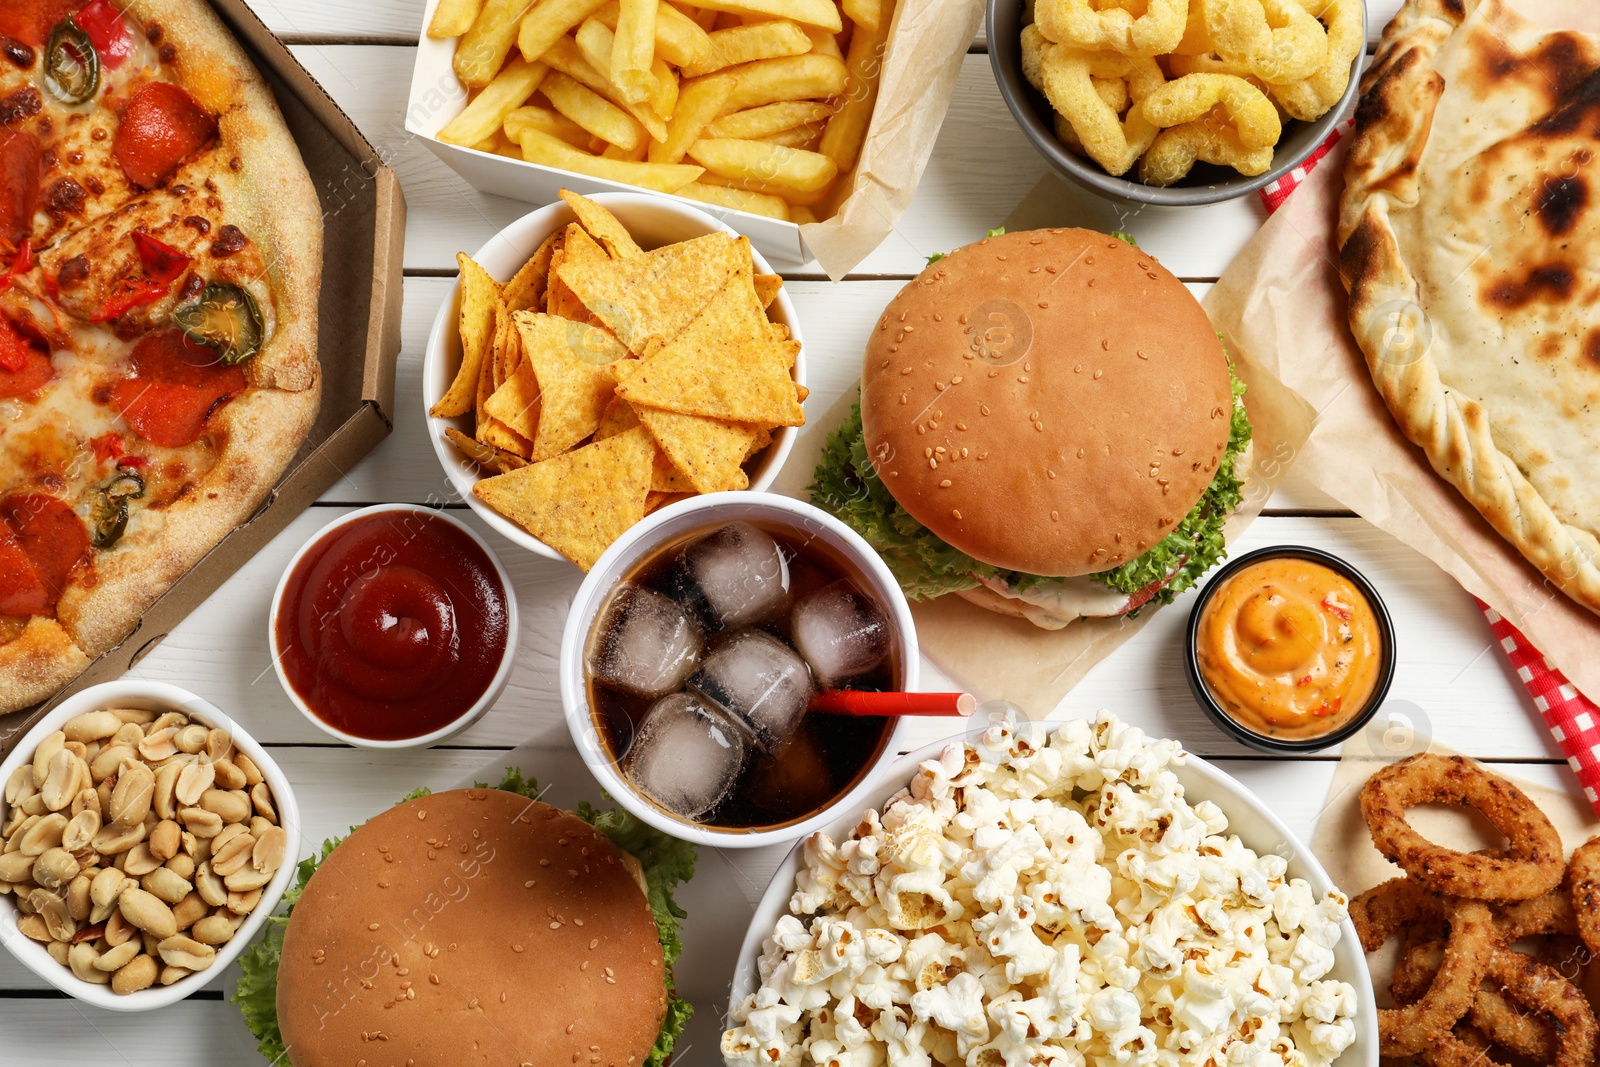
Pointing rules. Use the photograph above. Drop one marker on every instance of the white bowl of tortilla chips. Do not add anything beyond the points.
(585, 371)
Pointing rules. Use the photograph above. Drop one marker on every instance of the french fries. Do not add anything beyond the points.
(749, 105)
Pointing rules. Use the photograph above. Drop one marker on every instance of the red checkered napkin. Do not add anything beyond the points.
(1573, 719)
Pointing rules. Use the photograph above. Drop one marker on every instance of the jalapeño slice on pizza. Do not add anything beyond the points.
(160, 253)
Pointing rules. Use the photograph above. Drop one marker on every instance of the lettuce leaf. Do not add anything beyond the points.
(665, 860)
(846, 485)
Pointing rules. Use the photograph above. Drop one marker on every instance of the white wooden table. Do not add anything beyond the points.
(1452, 680)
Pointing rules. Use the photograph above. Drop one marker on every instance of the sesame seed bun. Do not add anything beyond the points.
(1049, 401)
(472, 927)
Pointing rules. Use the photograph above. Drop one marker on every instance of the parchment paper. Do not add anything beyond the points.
(1001, 658)
(1283, 305)
(927, 45)
(1344, 846)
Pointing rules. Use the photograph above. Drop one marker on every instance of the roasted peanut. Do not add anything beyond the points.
(20, 785)
(44, 834)
(53, 910)
(159, 744)
(231, 807)
(165, 801)
(165, 840)
(181, 950)
(243, 903)
(60, 783)
(270, 851)
(200, 822)
(261, 797)
(210, 886)
(131, 799)
(137, 716)
(114, 959)
(139, 973)
(81, 829)
(16, 867)
(190, 910)
(216, 929)
(46, 752)
(112, 841)
(55, 868)
(140, 861)
(193, 781)
(118, 928)
(33, 926)
(245, 879)
(59, 951)
(252, 773)
(233, 854)
(182, 866)
(148, 912)
(166, 885)
(79, 905)
(91, 726)
(110, 758)
(81, 958)
(227, 775)
(170, 975)
(191, 738)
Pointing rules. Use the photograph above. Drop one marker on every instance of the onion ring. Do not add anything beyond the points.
(1383, 911)
(1492, 1012)
(1551, 913)
(1534, 865)
(1583, 882)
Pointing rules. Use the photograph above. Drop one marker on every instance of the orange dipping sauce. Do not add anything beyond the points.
(1289, 648)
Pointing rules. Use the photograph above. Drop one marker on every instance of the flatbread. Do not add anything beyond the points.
(1468, 232)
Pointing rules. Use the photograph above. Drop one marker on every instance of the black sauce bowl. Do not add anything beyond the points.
(1243, 734)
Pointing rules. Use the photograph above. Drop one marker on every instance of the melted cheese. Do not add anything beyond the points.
(1055, 603)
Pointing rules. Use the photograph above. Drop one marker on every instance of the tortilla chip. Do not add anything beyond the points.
(507, 350)
(479, 294)
(516, 402)
(526, 288)
(767, 286)
(602, 225)
(618, 416)
(580, 502)
(486, 456)
(659, 293)
(660, 500)
(573, 392)
(709, 452)
(497, 434)
(746, 382)
(486, 382)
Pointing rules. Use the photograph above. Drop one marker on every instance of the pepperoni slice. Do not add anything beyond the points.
(20, 157)
(24, 369)
(161, 126)
(175, 386)
(53, 540)
(30, 21)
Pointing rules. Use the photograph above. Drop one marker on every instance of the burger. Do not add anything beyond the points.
(476, 926)
(1049, 427)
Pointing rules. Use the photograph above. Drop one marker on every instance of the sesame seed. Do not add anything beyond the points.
(1044, 303)
(961, 426)
(372, 926)
(902, 398)
(555, 926)
(1141, 354)
(516, 948)
(1051, 473)
(423, 814)
(1097, 374)
(1105, 345)
(955, 514)
(921, 429)
(945, 484)
(905, 370)
(1055, 516)
(983, 409)
(1023, 379)
(933, 464)
(528, 884)
(544, 863)
(594, 942)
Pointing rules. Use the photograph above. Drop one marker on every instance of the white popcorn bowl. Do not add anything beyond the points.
(1248, 816)
(653, 220)
(159, 697)
(678, 520)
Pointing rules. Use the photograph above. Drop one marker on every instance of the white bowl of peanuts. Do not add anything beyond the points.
(142, 816)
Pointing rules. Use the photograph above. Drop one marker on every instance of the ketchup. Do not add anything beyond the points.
(392, 625)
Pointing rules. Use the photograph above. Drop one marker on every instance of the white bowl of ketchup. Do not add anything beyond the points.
(394, 627)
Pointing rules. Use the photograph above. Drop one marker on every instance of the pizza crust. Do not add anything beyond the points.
(1467, 236)
(37, 664)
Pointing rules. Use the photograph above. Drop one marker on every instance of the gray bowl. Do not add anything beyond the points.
(1206, 184)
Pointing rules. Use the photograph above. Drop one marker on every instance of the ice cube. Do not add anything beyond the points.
(840, 632)
(685, 756)
(735, 576)
(645, 643)
(752, 675)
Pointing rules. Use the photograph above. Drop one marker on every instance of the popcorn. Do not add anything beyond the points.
(1047, 899)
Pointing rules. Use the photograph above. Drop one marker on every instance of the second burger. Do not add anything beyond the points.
(1049, 427)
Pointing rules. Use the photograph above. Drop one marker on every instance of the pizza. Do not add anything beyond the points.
(1468, 233)
(160, 258)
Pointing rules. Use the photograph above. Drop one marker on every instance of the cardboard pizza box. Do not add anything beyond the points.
(363, 213)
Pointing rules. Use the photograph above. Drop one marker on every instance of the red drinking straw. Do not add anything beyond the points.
(855, 702)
